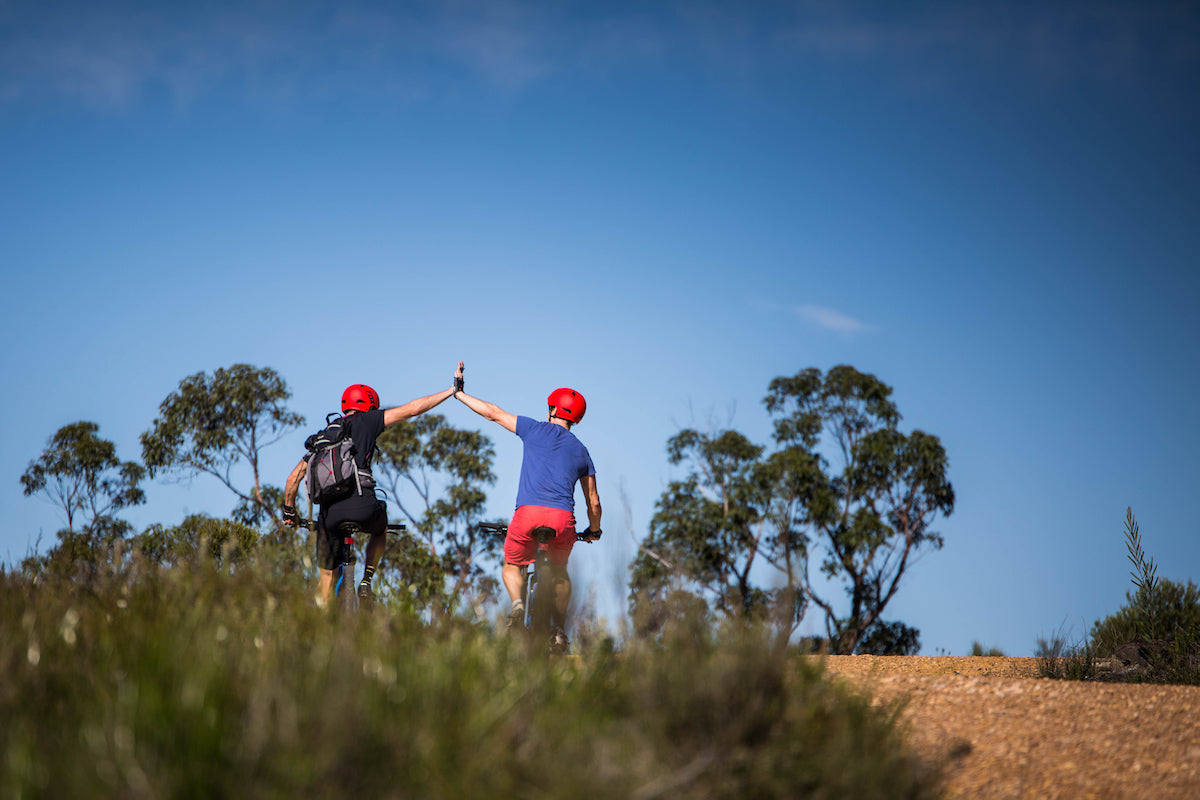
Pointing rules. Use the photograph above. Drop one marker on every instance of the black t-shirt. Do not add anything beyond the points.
(365, 427)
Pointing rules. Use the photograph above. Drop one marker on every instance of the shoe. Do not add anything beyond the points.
(365, 592)
(559, 644)
(516, 617)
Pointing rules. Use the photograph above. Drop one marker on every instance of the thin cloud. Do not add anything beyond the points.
(115, 53)
(833, 321)
(1109, 43)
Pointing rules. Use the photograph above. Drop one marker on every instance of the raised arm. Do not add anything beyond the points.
(414, 408)
(489, 411)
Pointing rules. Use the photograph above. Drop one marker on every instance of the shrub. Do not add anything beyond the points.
(1154, 637)
(1059, 658)
(1174, 609)
(979, 650)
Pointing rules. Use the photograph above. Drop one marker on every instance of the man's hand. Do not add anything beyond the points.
(589, 535)
(459, 384)
(290, 517)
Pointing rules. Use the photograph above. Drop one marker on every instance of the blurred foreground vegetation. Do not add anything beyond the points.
(207, 679)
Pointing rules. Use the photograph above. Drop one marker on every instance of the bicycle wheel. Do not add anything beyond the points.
(541, 600)
(344, 586)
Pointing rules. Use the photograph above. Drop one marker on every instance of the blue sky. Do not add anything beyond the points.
(993, 207)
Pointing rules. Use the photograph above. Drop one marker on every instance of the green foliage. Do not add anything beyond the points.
(221, 541)
(1161, 620)
(1174, 609)
(1145, 578)
(705, 526)
(1153, 638)
(862, 517)
(436, 474)
(890, 639)
(214, 424)
(978, 649)
(1060, 659)
(80, 473)
(201, 682)
(80, 557)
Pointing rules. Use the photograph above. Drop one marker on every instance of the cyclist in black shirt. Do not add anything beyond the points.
(360, 405)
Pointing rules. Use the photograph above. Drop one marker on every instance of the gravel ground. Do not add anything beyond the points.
(1000, 732)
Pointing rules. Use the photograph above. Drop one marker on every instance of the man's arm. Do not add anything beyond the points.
(414, 408)
(489, 411)
(291, 489)
(591, 495)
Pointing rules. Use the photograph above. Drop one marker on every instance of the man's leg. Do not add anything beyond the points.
(514, 581)
(513, 576)
(562, 595)
(324, 586)
(519, 550)
(375, 547)
(376, 526)
(326, 558)
(559, 643)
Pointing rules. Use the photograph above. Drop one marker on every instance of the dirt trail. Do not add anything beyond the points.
(1001, 732)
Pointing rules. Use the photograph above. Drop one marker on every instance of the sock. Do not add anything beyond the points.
(518, 604)
(368, 573)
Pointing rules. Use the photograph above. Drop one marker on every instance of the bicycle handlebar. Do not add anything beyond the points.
(500, 529)
(392, 527)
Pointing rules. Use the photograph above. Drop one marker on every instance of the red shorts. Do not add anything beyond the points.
(521, 548)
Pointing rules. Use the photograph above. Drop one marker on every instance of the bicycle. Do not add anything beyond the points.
(539, 601)
(347, 559)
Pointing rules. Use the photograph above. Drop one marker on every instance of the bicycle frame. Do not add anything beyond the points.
(539, 600)
(346, 560)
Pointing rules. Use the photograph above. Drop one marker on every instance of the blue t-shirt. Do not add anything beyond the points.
(553, 463)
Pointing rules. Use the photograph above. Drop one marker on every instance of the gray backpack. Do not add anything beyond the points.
(332, 473)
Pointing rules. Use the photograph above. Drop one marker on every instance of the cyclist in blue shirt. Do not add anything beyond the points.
(553, 462)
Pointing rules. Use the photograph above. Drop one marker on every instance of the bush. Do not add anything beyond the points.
(1060, 659)
(1155, 634)
(978, 649)
(1173, 607)
(1153, 638)
(207, 680)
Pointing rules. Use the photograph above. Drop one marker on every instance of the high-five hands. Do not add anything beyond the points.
(458, 378)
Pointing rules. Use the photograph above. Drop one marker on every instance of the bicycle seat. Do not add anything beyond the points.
(349, 528)
(544, 533)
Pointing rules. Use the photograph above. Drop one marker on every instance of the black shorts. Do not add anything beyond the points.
(369, 512)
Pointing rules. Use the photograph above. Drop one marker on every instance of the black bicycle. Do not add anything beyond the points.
(538, 598)
(343, 573)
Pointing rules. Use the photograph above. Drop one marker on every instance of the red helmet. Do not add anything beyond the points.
(567, 404)
(359, 397)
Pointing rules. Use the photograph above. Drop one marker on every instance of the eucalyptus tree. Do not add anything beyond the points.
(436, 476)
(225, 542)
(80, 473)
(843, 490)
(216, 424)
